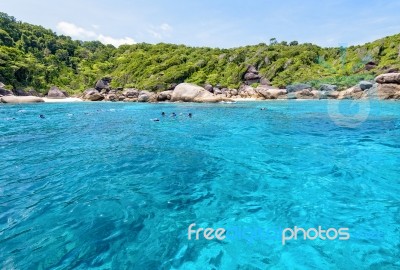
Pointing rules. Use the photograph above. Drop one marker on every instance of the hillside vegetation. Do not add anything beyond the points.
(34, 57)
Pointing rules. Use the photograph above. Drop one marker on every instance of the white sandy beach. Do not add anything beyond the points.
(52, 100)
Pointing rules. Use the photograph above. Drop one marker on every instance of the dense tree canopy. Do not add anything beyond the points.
(34, 57)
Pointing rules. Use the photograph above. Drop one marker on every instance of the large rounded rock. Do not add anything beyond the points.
(332, 95)
(251, 76)
(224, 90)
(172, 86)
(252, 69)
(164, 96)
(217, 91)
(264, 81)
(143, 97)
(209, 88)
(388, 91)
(382, 91)
(320, 94)
(298, 87)
(370, 65)
(24, 99)
(354, 92)
(270, 92)
(305, 94)
(104, 83)
(4, 92)
(234, 92)
(112, 97)
(92, 95)
(371, 93)
(146, 96)
(187, 92)
(328, 87)
(56, 93)
(388, 78)
(20, 93)
(131, 93)
(364, 85)
(33, 92)
(246, 91)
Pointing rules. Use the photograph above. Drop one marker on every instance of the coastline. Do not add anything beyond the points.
(385, 87)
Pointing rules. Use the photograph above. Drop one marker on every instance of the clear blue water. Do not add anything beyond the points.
(100, 186)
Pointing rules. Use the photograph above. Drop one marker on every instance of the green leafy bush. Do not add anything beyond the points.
(34, 57)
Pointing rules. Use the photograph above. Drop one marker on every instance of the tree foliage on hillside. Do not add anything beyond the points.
(34, 57)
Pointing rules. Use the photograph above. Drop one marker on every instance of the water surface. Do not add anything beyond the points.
(100, 186)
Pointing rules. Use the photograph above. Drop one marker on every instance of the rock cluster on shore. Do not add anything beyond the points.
(386, 86)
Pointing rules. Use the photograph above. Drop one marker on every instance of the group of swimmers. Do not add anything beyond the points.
(172, 115)
(163, 114)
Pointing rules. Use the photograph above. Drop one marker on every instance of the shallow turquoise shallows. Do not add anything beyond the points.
(101, 186)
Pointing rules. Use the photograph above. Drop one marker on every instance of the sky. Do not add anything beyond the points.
(213, 23)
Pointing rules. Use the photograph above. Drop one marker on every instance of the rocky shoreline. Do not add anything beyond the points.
(386, 86)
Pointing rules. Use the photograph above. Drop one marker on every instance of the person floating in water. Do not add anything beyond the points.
(173, 114)
(42, 116)
(190, 115)
(155, 120)
(163, 113)
(263, 109)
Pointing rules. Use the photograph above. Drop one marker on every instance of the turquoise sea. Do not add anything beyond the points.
(101, 186)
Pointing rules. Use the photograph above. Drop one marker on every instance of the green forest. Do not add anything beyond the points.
(34, 57)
